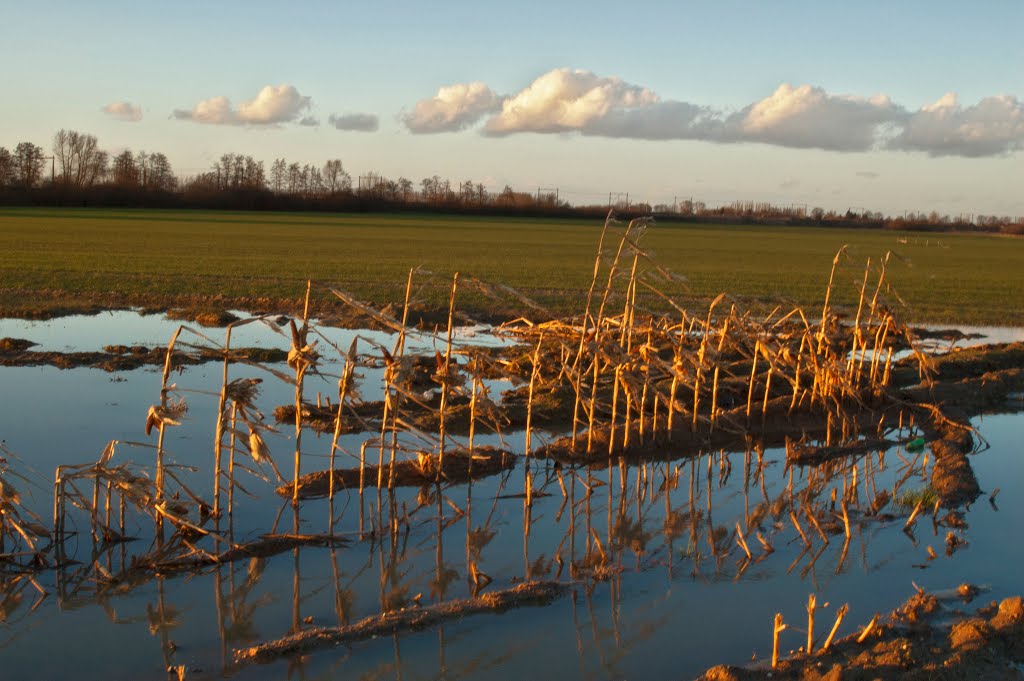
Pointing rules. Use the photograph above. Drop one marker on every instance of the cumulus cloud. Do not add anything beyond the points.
(563, 100)
(809, 117)
(357, 122)
(124, 111)
(796, 116)
(273, 105)
(309, 121)
(995, 125)
(454, 108)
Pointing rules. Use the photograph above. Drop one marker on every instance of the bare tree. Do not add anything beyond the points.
(28, 164)
(405, 188)
(81, 161)
(278, 175)
(160, 175)
(124, 171)
(6, 167)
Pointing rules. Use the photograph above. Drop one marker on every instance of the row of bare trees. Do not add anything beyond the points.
(77, 162)
(80, 168)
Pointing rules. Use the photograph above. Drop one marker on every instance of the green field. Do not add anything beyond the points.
(71, 258)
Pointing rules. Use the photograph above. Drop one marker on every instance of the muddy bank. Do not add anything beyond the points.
(916, 641)
(548, 411)
(17, 352)
(457, 467)
(404, 620)
(214, 310)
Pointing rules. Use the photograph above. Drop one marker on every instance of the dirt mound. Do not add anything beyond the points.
(986, 645)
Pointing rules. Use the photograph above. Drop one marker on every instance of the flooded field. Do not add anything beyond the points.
(662, 588)
(620, 496)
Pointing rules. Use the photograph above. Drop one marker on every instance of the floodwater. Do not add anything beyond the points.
(675, 594)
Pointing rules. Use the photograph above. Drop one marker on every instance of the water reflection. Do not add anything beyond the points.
(710, 542)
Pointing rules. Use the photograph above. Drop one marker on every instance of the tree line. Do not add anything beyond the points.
(77, 171)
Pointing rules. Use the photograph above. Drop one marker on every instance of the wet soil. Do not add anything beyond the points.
(403, 620)
(18, 352)
(913, 643)
(22, 304)
(456, 467)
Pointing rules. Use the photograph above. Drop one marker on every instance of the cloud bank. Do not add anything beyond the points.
(356, 122)
(275, 104)
(802, 117)
(124, 111)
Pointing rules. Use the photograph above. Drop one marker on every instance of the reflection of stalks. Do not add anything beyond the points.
(529, 417)
(160, 436)
(445, 377)
(231, 464)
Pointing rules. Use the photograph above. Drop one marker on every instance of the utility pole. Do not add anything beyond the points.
(616, 198)
(547, 192)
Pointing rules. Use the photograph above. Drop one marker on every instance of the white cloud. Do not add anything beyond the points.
(993, 126)
(357, 122)
(124, 111)
(273, 105)
(807, 116)
(564, 100)
(804, 116)
(455, 107)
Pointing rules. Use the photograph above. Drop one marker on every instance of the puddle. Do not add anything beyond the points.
(674, 594)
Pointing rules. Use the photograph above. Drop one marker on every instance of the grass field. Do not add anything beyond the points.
(59, 257)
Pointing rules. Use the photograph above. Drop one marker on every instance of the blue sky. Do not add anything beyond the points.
(830, 104)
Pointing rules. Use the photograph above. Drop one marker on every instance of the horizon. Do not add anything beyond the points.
(888, 109)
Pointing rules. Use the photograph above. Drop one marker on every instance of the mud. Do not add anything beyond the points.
(406, 619)
(16, 352)
(912, 644)
(457, 467)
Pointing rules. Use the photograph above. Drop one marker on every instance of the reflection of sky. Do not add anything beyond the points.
(92, 332)
(653, 622)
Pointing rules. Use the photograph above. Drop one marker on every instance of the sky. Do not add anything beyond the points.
(884, 106)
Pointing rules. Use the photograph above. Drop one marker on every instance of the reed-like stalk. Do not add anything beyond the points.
(344, 385)
(218, 439)
(446, 377)
(584, 331)
(301, 359)
(159, 480)
(778, 628)
(534, 372)
(812, 604)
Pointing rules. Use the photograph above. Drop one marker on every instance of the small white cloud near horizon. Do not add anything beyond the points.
(454, 108)
(273, 105)
(355, 122)
(124, 111)
(793, 116)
